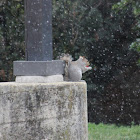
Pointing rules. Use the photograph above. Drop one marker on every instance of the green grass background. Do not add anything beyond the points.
(113, 132)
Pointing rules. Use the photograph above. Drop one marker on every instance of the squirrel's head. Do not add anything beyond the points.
(84, 60)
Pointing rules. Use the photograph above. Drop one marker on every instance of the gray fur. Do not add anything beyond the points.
(74, 69)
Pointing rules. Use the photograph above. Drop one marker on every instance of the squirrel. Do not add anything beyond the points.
(74, 69)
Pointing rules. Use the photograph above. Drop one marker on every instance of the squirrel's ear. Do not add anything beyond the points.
(81, 57)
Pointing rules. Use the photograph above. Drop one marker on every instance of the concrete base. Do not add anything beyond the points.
(43, 111)
(39, 79)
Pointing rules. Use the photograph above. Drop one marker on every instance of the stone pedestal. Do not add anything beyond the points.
(43, 111)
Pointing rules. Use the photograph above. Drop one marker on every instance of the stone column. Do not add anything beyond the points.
(43, 111)
(39, 65)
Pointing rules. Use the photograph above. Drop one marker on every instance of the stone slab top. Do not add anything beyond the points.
(55, 83)
(7, 87)
(13, 87)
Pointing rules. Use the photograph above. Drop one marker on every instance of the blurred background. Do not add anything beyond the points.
(106, 32)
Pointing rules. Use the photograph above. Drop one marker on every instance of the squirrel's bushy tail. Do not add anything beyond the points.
(66, 57)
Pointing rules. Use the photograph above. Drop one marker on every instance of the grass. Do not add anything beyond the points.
(113, 132)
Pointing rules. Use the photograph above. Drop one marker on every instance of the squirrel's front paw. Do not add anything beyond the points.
(88, 68)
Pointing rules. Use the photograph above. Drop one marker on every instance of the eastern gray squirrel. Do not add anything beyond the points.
(74, 69)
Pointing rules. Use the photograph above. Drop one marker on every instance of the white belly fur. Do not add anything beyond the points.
(75, 74)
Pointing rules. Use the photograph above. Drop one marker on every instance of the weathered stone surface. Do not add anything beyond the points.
(43, 111)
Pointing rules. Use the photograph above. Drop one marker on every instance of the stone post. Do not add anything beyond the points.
(45, 111)
(39, 65)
